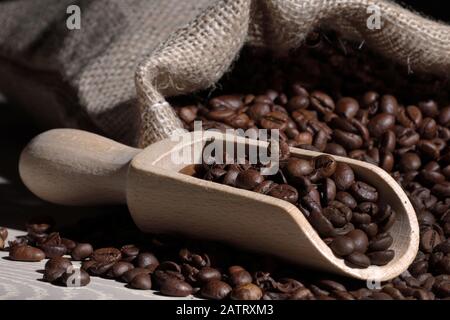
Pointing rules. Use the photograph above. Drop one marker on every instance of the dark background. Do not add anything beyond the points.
(437, 9)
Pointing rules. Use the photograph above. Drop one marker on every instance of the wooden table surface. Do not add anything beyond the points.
(22, 280)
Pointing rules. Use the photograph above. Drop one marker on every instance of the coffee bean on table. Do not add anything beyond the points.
(119, 269)
(247, 291)
(26, 253)
(129, 275)
(82, 251)
(3, 237)
(147, 260)
(240, 277)
(215, 290)
(55, 267)
(106, 255)
(207, 274)
(53, 246)
(141, 281)
(175, 288)
(3, 233)
(69, 244)
(73, 277)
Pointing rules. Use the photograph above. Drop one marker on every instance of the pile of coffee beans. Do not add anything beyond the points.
(331, 96)
(346, 212)
(111, 247)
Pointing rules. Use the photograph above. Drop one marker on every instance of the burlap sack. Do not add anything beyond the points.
(121, 37)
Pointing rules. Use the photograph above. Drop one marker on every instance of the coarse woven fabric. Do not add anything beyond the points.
(120, 38)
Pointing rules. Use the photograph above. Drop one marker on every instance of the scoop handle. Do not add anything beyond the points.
(74, 167)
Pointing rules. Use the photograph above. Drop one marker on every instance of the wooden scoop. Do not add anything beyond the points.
(73, 167)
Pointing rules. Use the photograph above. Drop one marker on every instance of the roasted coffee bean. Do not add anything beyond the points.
(247, 291)
(129, 252)
(321, 102)
(129, 275)
(147, 260)
(298, 102)
(343, 176)
(348, 140)
(274, 120)
(380, 296)
(320, 223)
(342, 246)
(3, 233)
(141, 281)
(428, 128)
(381, 123)
(347, 107)
(3, 237)
(207, 274)
(370, 229)
(297, 167)
(442, 189)
(55, 267)
(233, 102)
(240, 277)
(381, 242)
(175, 288)
(284, 192)
(160, 276)
(363, 192)
(87, 264)
(444, 116)
(410, 162)
(75, 278)
(265, 187)
(429, 239)
(360, 240)
(258, 110)
(381, 258)
(249, 179)
(346, 199)
(82, 251)
(302, 294)
(388, 141)
(39, 225)
(109, 255)
(215, 290)
(119, 269)
(335, 149)
(53, 246)
(428, 149)
(331, 285)
(418, 268)
(358, 260)
(69, 244)
(389, 104)
(324, 167)
(26, 253)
